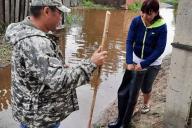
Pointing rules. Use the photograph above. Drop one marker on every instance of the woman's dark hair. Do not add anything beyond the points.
(36, 10)
(150, 6)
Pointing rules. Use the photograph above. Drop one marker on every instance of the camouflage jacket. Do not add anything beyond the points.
(43, 91)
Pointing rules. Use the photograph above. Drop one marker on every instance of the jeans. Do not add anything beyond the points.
(56, 125)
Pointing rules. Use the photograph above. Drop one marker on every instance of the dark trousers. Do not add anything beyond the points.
(128, 94)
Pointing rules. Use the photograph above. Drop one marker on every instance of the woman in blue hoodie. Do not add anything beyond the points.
(145, 44)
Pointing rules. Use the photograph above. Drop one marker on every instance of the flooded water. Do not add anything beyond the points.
(5, 88)
(78, 41)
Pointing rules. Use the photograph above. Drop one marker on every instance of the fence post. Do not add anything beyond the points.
(17, 7)
(26, 8)
(1, 11)
(7, 11)
(22, 10)
(12, 11)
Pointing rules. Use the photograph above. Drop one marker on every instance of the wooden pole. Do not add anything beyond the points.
(12, 11)
(105, 31)
(1, 11)
(17, 8)
(22, 10)
(7, 11)
(26, 8)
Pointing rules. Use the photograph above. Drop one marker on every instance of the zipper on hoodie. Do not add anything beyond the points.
(158, 23)
(143, 47)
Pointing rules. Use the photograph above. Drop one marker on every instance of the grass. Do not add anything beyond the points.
(5, 53)
(3, 27)
(5, 49)
(97, 126)
(73, 19)
(89, 4)
(172, 2)
(135, 6)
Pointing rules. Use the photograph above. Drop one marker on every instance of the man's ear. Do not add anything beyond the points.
(46, 11)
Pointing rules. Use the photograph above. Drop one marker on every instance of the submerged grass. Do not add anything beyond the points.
(5, 53)
(73, 19)
(89, 4)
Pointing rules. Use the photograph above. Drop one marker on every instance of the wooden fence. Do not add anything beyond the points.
(17, 10)
(13, 10)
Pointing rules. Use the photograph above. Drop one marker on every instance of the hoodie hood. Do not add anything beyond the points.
(18, 31)
(160, 22)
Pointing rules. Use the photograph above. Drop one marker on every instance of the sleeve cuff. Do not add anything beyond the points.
(90, 66)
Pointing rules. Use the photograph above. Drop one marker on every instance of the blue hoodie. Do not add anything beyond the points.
(148, 43)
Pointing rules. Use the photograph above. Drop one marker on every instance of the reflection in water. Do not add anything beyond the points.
(80, 40)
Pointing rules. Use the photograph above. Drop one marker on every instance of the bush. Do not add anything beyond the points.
(135, 6)
(87, 3)
(73, 19)
(91, 5)
(3, 27)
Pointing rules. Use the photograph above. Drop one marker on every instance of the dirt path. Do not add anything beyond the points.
(153, 119)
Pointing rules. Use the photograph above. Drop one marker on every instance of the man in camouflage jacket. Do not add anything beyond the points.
(43, 90)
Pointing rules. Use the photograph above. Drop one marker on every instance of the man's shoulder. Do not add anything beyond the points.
(29, 31)
(17, 32)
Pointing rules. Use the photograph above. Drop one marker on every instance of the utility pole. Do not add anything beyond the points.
(178, 110)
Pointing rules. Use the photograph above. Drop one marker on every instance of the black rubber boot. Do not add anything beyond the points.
(134, 86)
(122, 100)
(115, 124)
(130, 125)
(127, 97)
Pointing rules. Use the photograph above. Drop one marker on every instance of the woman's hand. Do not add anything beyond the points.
(138, 67)
(130, 67)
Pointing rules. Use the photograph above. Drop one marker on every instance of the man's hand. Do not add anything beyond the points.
(138, 67)
(130, 67)
(99, 56)
(66, 66)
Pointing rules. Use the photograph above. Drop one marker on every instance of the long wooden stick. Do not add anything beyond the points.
(105, 31)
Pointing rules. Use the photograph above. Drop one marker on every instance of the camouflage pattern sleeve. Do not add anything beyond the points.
(43, 61)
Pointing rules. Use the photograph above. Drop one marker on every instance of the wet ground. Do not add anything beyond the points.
(78, 41)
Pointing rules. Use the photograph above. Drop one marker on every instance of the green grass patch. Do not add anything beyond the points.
(135, 6)
(73, 19)
(172, 2)
(3, 27)
(89, 4)
(5, 53)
